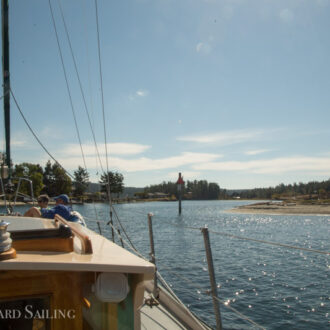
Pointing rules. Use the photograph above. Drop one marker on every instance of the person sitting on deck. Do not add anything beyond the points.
(61, 208)
(43, 201)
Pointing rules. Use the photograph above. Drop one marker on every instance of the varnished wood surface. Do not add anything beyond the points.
(10, 254)
(63, 288)
(85, 240)
(54, 244)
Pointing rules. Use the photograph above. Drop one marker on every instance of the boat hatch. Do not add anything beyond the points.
(38, 234)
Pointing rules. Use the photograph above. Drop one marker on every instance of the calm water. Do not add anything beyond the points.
(276, 287)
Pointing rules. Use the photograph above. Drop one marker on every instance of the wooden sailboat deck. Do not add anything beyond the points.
(106, 256)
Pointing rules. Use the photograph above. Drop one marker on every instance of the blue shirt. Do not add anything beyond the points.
(63, 210)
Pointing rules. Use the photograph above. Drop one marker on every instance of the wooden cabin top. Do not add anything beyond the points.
(106, 256)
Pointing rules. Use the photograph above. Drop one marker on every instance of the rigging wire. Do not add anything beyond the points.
(85, 29)
(102, 99)
(66, 80)
(80, 84)
(101, 82)
(35, 135)
(104, 126)
(132, 247)
(82, 94)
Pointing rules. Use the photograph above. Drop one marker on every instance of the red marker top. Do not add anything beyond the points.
(180, 180)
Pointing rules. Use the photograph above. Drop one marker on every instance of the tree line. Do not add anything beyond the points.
(54, 180)
(201, 190)
(312, 188)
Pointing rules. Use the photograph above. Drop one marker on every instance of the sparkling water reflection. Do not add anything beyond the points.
(276, 287)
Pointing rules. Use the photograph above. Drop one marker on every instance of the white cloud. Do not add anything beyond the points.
(113, 149)
(271, 166)
(142, 93)
(255, 152)
(142, 163)
(286, 15)
(145, 164)
(17, 140)
(203, 47)
(18, 143)
(224, 138)
(139, 94)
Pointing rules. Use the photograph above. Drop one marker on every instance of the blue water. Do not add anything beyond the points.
(276, 287)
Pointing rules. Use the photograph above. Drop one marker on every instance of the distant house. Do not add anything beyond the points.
(157, 195)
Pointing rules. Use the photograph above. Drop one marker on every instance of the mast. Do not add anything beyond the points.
(6, 80)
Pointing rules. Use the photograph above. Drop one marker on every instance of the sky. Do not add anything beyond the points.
(234, 91)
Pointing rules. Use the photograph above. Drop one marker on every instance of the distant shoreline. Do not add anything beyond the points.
(271, 208)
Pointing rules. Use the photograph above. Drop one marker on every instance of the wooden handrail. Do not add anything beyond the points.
(86, 242)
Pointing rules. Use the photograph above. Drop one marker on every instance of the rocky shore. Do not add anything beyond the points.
(283, 208)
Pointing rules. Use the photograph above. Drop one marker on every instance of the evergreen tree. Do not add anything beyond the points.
(81, 181)
(116, 181)
(32, 172)
(56, 180)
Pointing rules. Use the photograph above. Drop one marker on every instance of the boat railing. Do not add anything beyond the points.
(86, 243)
(3, 193)
(20, 194)
(9, 192)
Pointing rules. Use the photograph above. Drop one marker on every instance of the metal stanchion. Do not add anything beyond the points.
(121, 240)
(112, 232)
(98, 224)
(152, 255)
(214, 291)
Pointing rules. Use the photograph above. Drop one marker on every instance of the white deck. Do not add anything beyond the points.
(106, 257)
(168, 314)
(157, 318)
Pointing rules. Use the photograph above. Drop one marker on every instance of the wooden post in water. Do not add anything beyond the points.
(152, 254)
(214, 290)
(180, 184)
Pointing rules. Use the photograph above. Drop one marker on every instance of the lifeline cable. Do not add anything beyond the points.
(253, 239)
(270, 243)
